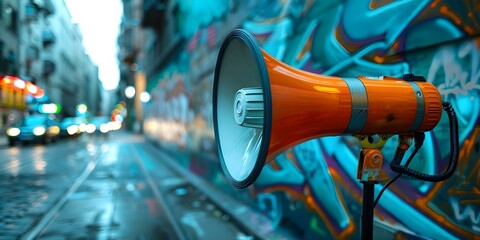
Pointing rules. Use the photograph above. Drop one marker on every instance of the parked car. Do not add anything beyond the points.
(34, 128)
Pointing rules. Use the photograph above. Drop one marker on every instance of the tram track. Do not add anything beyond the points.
(26, 177)
(207, 202)
(47, 217)
(44, 223)
(50, 214)
(158, 196)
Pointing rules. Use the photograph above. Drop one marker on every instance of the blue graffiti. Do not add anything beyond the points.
(287, 175)
(316, 172)
(361, 23)
(327, 51)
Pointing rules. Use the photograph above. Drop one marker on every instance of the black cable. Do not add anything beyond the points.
(419, 139)
(394, 178)
(454, 149)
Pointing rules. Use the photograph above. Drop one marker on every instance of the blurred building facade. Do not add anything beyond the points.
(73, 78)
(131, 43)
(39, 43)
(311, 190)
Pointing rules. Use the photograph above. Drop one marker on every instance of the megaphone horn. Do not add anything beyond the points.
(261, 107)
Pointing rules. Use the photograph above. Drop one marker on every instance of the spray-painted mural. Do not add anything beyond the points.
(312, 188)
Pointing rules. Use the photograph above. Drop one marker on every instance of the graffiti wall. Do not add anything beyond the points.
(312, 188)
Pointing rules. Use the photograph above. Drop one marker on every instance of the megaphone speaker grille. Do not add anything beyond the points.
(241, 77)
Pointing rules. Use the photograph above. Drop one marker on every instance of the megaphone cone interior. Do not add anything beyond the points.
(261, 107)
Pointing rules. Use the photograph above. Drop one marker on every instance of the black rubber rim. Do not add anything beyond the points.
(252, 44)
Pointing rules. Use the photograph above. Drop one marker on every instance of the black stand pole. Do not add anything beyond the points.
(367, 211)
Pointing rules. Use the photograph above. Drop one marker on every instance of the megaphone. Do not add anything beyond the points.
(262, 107)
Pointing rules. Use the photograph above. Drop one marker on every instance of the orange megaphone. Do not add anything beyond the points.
(261, 107)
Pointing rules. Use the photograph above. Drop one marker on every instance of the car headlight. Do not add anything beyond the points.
(72, 129)
(54, 130)
(38, 131)
(115, 125)
(13, 132)
(91, 128)
(104, 128)
(82, 127)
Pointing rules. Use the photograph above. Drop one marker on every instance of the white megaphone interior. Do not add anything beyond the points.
(240, 146)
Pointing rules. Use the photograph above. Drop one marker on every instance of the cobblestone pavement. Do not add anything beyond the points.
(33, 177)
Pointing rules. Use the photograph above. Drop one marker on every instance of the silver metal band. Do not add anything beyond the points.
(420, 106)
(359, 105)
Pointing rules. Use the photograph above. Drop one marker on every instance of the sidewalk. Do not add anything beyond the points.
(236, 211)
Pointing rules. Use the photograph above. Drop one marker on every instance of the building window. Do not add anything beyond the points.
(2, 45)
(11, 18)
(1, 9)
(11, 63)
(3, 61)
(33, 53)
(31, 11)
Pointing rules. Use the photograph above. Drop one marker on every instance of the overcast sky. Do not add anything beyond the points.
(99, 22)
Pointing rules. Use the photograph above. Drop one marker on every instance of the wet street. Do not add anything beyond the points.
(115, 187)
